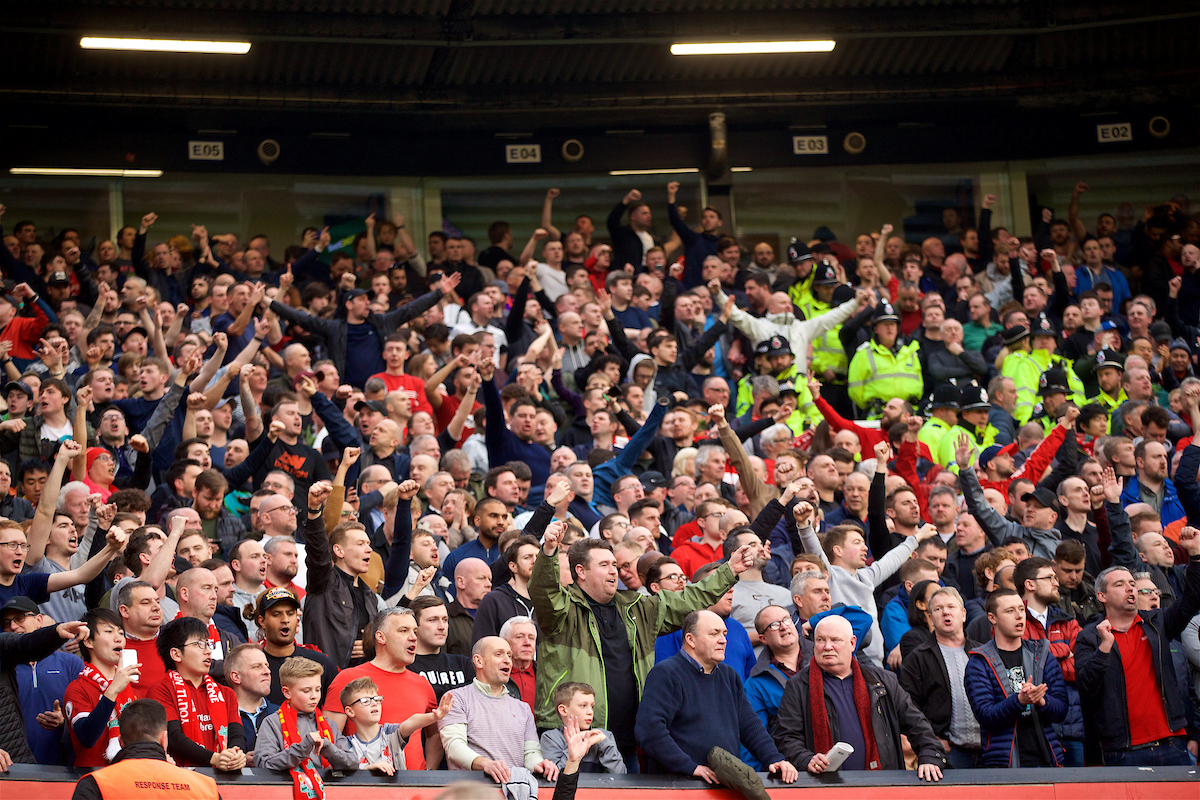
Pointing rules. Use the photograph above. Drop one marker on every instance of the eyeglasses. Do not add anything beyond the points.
(203, 644)
(1150, 592)
(372, 700)
(778, 625)
(715, 514)
(16, 547)
(679, 578)
(1051, 578)
(285, 509)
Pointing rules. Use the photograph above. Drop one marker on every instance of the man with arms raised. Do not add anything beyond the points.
(617, 668)
(339, 604)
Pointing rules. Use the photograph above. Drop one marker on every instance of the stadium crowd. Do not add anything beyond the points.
(602, 503)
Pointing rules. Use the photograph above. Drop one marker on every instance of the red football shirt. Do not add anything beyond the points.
(404, 694)
(152, 670)
(412, 385)
(80, 697)
(197, 698)
(1147, 716)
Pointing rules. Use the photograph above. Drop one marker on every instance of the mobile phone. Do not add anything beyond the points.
(837, 755)
(128, 658)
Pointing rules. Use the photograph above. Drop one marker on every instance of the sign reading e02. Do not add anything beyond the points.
(523, 153)
(810, 145)
(1114, 132)
(206, 151)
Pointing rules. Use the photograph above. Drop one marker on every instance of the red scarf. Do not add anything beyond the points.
(127, 696)
(189, 717)
(306, 783)
(822, 736)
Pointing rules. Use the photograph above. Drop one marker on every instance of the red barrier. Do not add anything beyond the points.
(1049, 791)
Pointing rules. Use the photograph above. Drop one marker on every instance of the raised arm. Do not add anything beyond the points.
(396, 569)
(531, 246)
(83, 398)
(39, 529)
(238, 327)
(548, 213)
(1077, 226)
(616, 331)
(466, 408)
(439, 377)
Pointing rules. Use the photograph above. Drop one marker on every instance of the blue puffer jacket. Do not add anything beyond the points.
(997, 708)
(894, 620)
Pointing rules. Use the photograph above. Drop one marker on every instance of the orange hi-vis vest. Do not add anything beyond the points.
(151, 779)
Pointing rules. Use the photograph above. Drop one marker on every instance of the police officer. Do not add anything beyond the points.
(1024, 371)
(943, 415)
(800, 258)
(1110, 368)
(972, 421)
(745, 387)
(885, 367)
(1054, 391)
(1045, 340)
(140, 770)
(829, 359)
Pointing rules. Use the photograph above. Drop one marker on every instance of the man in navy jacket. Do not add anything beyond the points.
(692, 703)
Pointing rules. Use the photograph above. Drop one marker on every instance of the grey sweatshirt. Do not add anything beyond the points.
(1041, 543)
(606, 754)
(269, 752)
(858, 588)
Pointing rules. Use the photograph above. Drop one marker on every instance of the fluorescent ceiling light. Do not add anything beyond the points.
(670, 171)
(743, 48)
(88, 173)
(163, 45)
(741, 169)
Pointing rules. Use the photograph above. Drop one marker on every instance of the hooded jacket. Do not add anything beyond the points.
(1041, 543)
(998, 708)
(650, 394)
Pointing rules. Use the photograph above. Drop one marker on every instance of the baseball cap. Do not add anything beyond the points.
(350, 294)
(20, 386)
(1043, 496)
(374, 405)
(653, 480)
(19, 603)
(57, 277)
(273, 597)
(1161, 331)
(989, 453)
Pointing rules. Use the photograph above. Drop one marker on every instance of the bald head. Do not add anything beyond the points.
(834, 644)
(472, 579)
(779, 303)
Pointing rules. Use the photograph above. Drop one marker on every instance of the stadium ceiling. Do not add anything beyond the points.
(521, 64)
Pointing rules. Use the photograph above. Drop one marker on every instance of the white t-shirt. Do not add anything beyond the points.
(554, 281)
(55, 434)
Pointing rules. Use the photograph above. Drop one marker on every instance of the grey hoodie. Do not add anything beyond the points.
(651, 394)
(1041, 543)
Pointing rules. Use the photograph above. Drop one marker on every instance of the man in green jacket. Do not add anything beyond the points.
(594, 634)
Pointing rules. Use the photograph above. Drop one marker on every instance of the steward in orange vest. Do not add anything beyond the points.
(140, 770)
